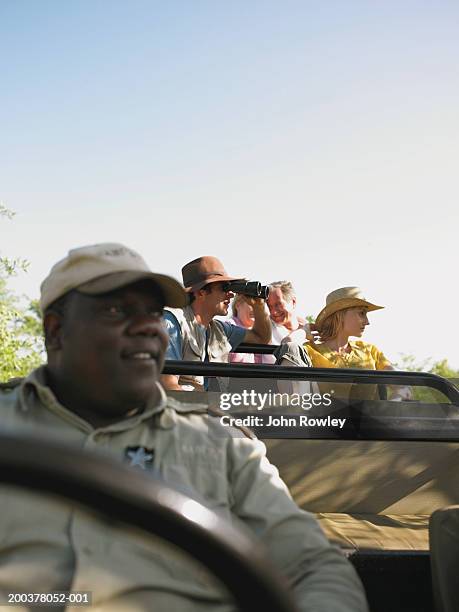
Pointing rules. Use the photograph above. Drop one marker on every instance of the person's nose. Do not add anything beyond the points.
(146, 324)
(229, 295)
(149, 325)
(366, 321)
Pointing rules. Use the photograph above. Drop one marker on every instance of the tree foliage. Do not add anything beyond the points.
(409, 363)
(442, 368)
(21, 340)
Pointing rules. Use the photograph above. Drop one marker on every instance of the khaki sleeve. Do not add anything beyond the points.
(323, 580)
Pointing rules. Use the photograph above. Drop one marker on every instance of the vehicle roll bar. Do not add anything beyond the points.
(336, 375)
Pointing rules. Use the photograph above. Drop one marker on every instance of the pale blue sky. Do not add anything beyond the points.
(312, 141)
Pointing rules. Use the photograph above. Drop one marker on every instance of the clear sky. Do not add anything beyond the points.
(316, 142)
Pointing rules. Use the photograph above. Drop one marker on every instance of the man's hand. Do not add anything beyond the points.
(305, 333)
(170, 382)
(255, 302)
(312, 333)
(261, 330)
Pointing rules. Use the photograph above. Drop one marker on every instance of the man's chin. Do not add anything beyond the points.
(139, 395)
(141, 387)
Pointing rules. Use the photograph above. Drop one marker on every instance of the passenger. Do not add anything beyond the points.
(282, 309)
(243, 317)
(195, 334)
(287, 326)
(345, 316)
(281, 303)
(100, 389)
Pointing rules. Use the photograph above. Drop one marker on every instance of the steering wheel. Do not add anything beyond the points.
(138, 499)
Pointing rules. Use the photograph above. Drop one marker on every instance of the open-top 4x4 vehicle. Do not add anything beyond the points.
(372, 467)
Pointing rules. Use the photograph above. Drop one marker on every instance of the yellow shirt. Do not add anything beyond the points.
(362, 356)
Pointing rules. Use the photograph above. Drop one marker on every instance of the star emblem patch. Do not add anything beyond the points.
(139, 456)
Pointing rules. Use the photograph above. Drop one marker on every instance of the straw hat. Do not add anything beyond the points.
(345, 297)
(204, 270)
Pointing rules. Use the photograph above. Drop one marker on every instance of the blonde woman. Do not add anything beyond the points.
(243, 317)
(345, 316)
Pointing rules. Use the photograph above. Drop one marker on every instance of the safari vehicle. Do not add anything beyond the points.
(372, 482)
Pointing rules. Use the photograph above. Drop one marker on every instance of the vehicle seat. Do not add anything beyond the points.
(444, 546)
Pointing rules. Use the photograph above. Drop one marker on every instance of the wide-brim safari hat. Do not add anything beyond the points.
(340, 299)
(101, 268)
(204, 270)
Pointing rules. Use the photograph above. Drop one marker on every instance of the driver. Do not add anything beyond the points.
(106, 342)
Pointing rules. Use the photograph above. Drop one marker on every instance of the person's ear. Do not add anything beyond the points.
(52, 326)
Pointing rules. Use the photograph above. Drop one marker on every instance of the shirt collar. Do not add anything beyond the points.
(36, 384)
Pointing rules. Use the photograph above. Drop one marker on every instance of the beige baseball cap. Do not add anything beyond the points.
(100, 268)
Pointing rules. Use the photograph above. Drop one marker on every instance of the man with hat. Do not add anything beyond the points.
(102, 308)
(194, 333)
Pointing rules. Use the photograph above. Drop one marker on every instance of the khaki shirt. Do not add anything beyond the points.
(46, 545)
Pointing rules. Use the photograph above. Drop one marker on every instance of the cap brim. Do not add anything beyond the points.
(174, 294)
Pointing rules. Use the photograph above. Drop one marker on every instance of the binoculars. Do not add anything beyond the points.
(250, 288)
